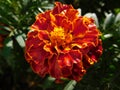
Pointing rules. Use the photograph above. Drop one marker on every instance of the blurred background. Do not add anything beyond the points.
(15, 18)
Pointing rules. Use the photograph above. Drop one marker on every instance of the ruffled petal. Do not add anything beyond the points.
(54, 68)
(65, 63)
(76, 56)
(40, 68)
(40, 24)
(43, 35)
(78, 71)
(60, 7)
(71, 14)
(65, 60)
(80, 28)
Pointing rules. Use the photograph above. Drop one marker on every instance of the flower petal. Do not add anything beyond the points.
(72, 14)
(78, 71)
(60, 7)
(79, 28)
(41, 68)
(40, 24)
(43, 35)
(76, 55)
(54, 68)
(65, 60)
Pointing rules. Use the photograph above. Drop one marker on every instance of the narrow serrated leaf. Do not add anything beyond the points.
(117, 19)
(108, 20)
(20, 41)
(70, 85)
(8, 45)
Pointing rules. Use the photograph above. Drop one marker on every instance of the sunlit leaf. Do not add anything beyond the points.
(117, 19)
(48, 82)
(70, 85)
(20, 41)
(108, 20)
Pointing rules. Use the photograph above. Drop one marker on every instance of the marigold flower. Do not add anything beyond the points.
(62, 44)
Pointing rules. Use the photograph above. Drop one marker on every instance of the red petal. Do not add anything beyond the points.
(78, 71)
(41, 68)
(32, 40)
(60, 7)
(95, 52)
(49, 48)
(76, 55)
(67, 25)
(72, 14)
(40, 24)
(54, 68)
(87, 61)
(39, 59)
(37, 53)
(66, 71)
(43, 35)
(44, 21)
(79, 28)
(65, 60)
(60, 19)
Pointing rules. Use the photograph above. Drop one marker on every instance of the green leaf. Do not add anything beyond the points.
(3, 32)
(8, 46)
(20, 41)
(48, 82)
(108, 20)
(117, 19)
(70, 85)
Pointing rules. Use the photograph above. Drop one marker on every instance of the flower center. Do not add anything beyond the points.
(59, 37)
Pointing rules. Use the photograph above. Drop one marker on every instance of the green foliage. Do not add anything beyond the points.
(15, 74)
(70, 85)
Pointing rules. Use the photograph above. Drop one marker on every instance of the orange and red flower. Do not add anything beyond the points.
(62, 43)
